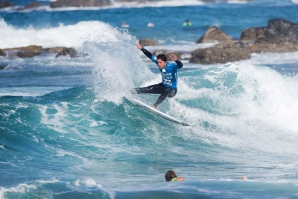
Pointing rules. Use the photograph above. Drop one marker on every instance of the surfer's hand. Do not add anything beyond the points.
(154, 106)
(139, 46)
(173, 57)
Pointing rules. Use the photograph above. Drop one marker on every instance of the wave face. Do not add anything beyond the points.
(69, 130)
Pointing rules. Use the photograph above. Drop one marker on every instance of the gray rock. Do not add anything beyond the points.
(279, 36)
(24, 52)
(250, 35)
(54, 50)
(70, 52)
(2, 66)
(148, 42)
(79, 3)
(6, 4)
(221, 53)
(31, 51)
(213, 34)
(31, 5)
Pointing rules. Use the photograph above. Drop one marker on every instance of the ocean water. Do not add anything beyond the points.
(69, 130)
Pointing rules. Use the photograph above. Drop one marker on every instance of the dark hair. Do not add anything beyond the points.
(162, 57)
(170, 175)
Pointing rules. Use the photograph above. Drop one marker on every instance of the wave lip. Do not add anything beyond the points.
(63, 35)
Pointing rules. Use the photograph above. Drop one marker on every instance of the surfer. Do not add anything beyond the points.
(187, 23)
(168, 86)
(172, 177)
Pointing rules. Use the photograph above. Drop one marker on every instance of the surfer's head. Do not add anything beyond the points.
(170, 175)
(161, 61)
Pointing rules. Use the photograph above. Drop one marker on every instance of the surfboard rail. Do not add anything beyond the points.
(158, 113)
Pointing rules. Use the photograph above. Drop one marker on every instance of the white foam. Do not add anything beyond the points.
(118, 68)
(258, 109)
(53, 180)
(54, 121)
(181, 46)
(273, 58)
(97, 123)
(238, 1)
(21, 188)
(88, 182)
(63, 35)
(169, 3)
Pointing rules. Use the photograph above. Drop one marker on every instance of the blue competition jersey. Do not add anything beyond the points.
(169, 74)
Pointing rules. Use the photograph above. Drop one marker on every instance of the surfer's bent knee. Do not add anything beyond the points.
(172, 93)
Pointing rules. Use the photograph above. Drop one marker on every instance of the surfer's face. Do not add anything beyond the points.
(161, 64)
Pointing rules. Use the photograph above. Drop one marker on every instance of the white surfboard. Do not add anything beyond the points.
(157, 112)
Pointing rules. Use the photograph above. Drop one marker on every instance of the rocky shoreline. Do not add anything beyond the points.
(89, 3)
(279, 36)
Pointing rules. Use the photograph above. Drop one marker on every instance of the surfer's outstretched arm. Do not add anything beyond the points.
(146, 52)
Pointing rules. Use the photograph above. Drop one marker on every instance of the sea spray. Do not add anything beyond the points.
(117, 65)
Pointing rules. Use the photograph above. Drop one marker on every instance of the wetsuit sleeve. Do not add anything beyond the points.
(179, 63)
(147, 53)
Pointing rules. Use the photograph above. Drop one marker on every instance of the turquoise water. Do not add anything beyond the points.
(69, 130)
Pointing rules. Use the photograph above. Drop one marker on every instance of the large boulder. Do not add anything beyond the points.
(54, 50)
(221, 53)
(69, 52)
(24, 52)
(148, 42)
(29, 51)
(31, 6)
(214, 34)
(279, 36)
(250, 35)
(6, 4)
(79, 3)
(280, 30)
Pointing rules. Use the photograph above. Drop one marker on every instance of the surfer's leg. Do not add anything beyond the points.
(172, 93)
(167, 92)
(153, 89)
